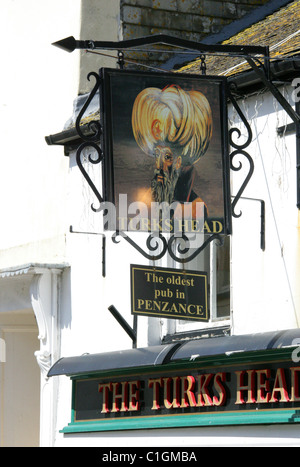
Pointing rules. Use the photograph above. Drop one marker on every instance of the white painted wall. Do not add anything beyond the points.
(38, 84)
(265, 291)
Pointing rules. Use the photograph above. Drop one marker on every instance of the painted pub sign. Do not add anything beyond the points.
(165, 149)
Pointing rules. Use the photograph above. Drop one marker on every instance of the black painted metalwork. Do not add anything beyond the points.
(297, 105)
(122, 321)
(175, 246)
(70, 44)
(239, 149)
(91, 140)
(94, 124)
(262, 220)
(181, 244)
(290, 128)
(262, 73)
(203, 64)
(157, 245)
(293, 114)
(121, 61)
(154, 243)
(103, 245)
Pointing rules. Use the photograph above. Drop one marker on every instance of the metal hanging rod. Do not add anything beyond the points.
(132, 332)
(197, 53)
(134, 62)
(270, 59)
(69, 44)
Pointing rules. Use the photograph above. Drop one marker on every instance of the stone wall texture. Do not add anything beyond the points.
(188, 19)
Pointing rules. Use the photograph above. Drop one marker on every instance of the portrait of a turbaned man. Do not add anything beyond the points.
(165, 144)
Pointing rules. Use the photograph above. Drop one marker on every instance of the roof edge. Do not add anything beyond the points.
(235, 27)
(254, 16)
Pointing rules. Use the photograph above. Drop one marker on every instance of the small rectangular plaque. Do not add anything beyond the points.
(169, 293)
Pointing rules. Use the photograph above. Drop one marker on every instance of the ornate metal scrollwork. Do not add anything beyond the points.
(179, 248)
(246, 181)
(182, 246)
(153, 243)
(94, 125)
(90, 139)
(240, 150)
(161, 245)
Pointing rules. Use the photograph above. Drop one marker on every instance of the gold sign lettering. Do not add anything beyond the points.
(279, 386)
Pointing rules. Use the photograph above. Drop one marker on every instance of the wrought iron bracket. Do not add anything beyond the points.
(239, 149)
(182, 246)
(293, 114)
(154, 243)
(90, 141)
(273, 89)
(70, 44)
(175, 246)
(262, 220)
(158, 245)
(132, 332)
(103, 245)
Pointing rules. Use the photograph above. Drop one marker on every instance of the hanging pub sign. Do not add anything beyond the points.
(169, 293)
(165, 152)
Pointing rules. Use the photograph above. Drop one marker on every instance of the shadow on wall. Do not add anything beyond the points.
(66, 301)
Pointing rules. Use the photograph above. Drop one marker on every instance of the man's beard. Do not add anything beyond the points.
(164, 191)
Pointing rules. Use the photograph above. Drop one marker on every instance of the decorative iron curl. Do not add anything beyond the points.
(94, 125)
(84, 172)
(153, 243)
(90, 140)
(236, 130)
(246, 181)
(240, 149)
(183, 247)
